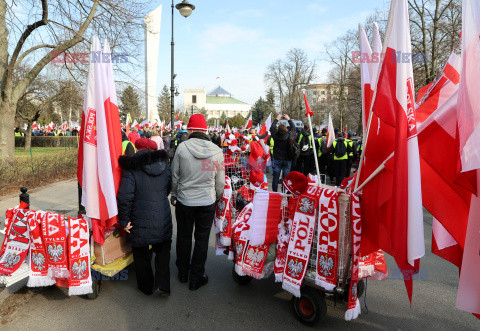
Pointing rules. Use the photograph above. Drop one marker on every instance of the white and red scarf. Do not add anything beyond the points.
(38, 271)
(240, 233)
(353, 308)
(300, 242)
(282, 239)
(327, 240)
(373, 265)
(267, 213)
(223, 215)
(80, 281)
(16, 242)
(55, 241)
(254, 260)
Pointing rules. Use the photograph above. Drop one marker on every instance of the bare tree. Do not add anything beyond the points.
(57, 27)
(287, 76)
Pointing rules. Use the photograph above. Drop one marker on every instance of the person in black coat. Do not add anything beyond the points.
(282, 138)
(144, 213)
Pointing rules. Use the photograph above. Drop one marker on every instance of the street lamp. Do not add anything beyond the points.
(185, 10)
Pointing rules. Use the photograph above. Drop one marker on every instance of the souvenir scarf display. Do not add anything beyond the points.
(327, 240)
(300, 242)
(55, 240)
(266, 215)
(282, 239)
(38, 271)
(353, 308)
(80, 281)
(254, 259)
(223, 215)
(16, 242)
(240, 237)
(373, 265)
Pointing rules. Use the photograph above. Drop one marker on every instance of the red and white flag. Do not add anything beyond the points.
(249, 123)
(178, 124)
(376, 56)
(178, 115)
(100, 146)
(34, 126)
(144, 123)
(392, 201)
(227, 127)
(366, 73)
(266, 126)
(330, 132)
(135, 124)
(267, 213)
(65, 125)
(127, 125)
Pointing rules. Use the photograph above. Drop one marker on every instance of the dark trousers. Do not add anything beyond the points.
(322, 164)
(187, 217)
(306, 164)
(340, 167)
(348, 170)
(142, 256)
(279, 166)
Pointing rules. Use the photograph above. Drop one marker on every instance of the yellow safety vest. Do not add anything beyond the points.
(335, 158)
(350, 143)
(319, 140)
(125, 144)
(18, 134)
(309, 139)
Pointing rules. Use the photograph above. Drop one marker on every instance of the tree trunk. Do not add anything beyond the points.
(28, 136)
(7, 136)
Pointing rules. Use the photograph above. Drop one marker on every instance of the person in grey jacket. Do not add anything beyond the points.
(198, 179)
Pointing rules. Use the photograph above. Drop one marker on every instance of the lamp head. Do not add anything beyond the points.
(185, 8)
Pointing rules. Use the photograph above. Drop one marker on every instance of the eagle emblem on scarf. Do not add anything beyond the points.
(326, 265)
(79, 268)
(295, 268)
(39, 260)
(55, 251)
(255, 256)
(10, 260)
(306, 205)
(238, 248)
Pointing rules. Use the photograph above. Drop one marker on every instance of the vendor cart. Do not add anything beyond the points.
(311, 306)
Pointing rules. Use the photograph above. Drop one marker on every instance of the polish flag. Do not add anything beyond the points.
(266, 215)
(227, 127)
(266, 126)
(135, 124)
(100, 146)
(178, 115)
(177, 124)
(249, 123)
(144, 123)
(65, 125)
(376, 56)
(169, 126)
(468, 113)
(392, 200)
(34, 126)
(330, 132)
(366, 73)
(127, 124)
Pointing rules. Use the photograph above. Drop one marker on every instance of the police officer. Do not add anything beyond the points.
(340, 158)
(352, 153)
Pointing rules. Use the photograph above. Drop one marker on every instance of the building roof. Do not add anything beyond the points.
(219, 91)
(224, 100)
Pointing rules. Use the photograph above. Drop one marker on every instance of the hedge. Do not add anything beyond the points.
(49, 141)
(40, 169)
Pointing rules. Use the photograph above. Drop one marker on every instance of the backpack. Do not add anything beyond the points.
(294, 150)
(305, 145)
(340, 149)
(323, 145)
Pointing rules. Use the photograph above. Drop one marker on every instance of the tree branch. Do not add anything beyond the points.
(33, 49)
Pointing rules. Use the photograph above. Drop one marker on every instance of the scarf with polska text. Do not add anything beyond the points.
(223, 215)
(240, 235)
(38, 268)
(80, 281)
(327, 240)
(300, 243)
(353, 308)
(55, 241)
(16, 241)
(282, 239)
(254, 260)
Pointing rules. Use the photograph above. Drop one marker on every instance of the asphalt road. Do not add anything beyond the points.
(223, 305)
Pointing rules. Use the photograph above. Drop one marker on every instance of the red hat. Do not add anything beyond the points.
(146, 143)
(197, 122)
(256, 179)
(295, 182)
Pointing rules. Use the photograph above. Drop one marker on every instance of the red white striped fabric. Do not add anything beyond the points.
(266, 215)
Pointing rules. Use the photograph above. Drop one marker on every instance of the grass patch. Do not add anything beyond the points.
(19, 151)
(45, 165)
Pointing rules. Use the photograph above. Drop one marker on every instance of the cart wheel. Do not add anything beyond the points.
(310, 307)
(240, 280)
(96, 284)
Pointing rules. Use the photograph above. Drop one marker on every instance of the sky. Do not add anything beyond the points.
(237, 39)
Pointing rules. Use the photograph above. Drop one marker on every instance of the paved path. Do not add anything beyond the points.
(222, 305)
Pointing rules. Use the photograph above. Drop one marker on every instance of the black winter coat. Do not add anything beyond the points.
(282, 141)
(143, 197)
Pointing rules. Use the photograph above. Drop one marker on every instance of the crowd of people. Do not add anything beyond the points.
(54, 132)
(188, 168)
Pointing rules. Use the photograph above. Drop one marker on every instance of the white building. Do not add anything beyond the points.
(216, 103)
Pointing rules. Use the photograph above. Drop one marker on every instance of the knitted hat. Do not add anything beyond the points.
(146, 143)
(256, 179)
(295, 182)
(197, 122)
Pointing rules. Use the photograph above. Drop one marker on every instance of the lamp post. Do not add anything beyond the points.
(185, 10)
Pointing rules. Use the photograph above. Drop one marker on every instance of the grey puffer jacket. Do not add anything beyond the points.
(198, 173)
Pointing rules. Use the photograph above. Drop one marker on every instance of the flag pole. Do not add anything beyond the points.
(313, 138)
